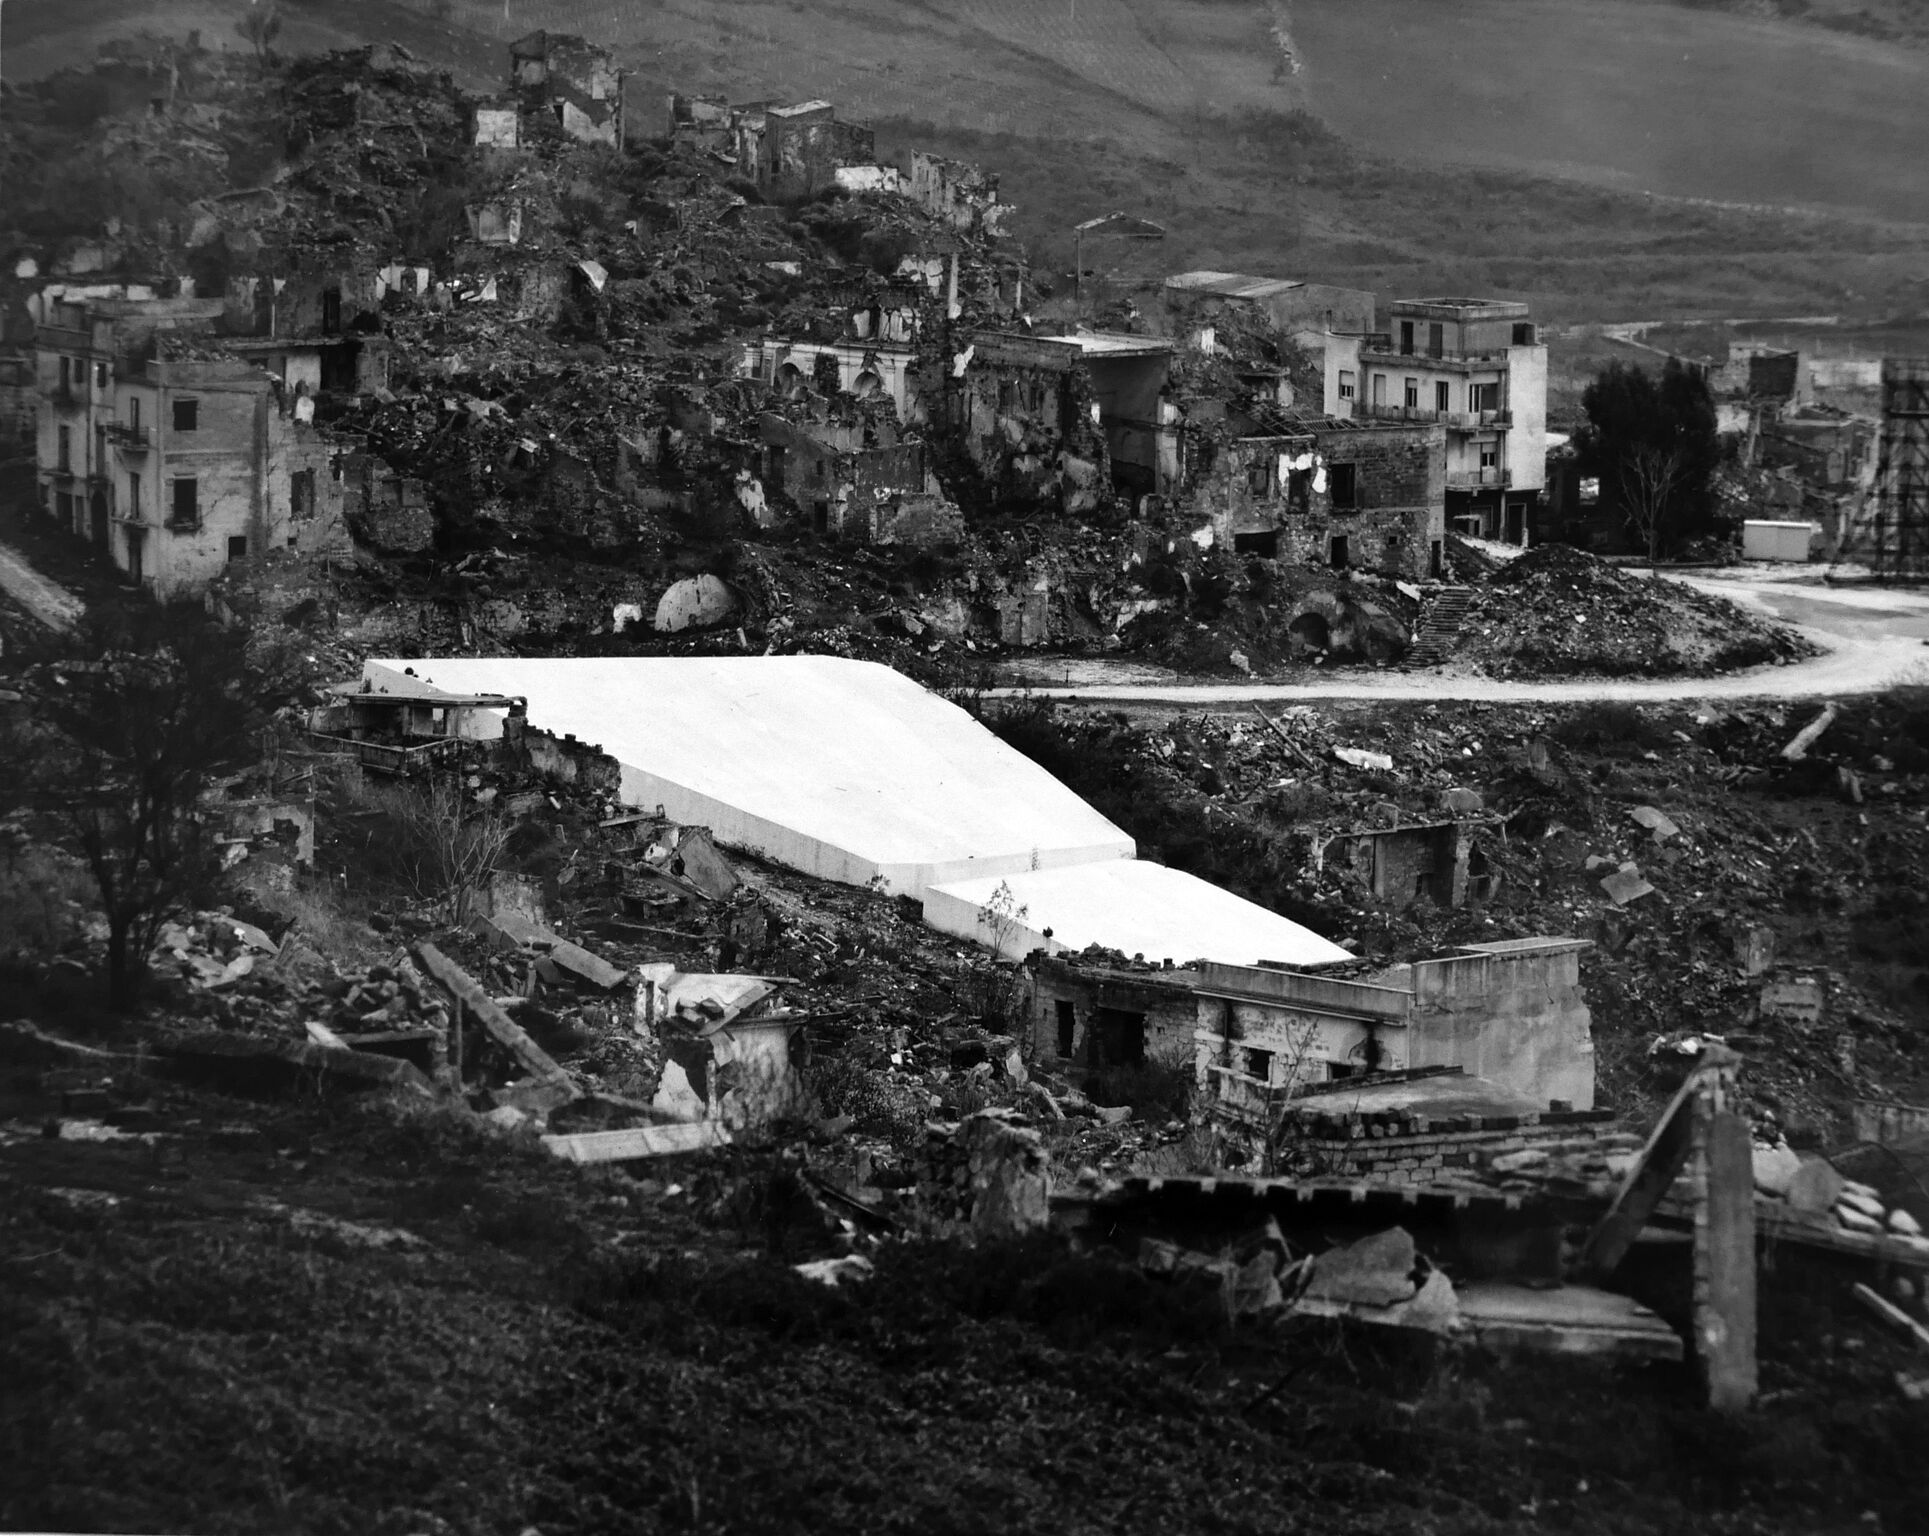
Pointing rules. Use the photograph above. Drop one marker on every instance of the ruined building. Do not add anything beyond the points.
(1307, 312)
(573, 79)
(1071, 415)
(1476, 367)
(1315, 490)
(790, 152)
(176, 450)
(1512, 1013)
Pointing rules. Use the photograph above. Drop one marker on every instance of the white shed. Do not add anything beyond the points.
(1765, 540)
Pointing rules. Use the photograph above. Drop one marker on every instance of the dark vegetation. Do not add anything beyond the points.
(120, 739)
(570, 1352)
(1652, 442)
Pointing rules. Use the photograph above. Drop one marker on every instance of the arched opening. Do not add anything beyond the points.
(866, 384)
(790, 381)
(1312, 630)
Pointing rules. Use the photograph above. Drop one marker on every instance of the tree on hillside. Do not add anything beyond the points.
(260, 26)
(1652, 443)
(121, 743)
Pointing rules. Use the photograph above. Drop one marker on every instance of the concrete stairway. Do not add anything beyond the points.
(1439, 626)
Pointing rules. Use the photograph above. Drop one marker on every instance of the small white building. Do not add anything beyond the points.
(1789, 542)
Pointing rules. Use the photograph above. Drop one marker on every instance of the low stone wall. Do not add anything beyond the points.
(1412, 1149)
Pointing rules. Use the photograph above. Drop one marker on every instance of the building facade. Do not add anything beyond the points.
(1512, 1013)
(173, 455)
(1475, 366)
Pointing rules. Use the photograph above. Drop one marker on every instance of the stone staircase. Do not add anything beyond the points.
(1439, 626)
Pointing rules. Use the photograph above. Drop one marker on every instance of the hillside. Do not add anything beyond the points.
(1192, 113)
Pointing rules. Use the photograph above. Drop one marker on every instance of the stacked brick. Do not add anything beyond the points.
(1404, 1148)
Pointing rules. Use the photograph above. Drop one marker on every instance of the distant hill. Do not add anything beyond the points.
(1571, 152)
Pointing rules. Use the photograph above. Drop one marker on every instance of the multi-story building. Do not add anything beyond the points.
(1477, 367)
(173, 454)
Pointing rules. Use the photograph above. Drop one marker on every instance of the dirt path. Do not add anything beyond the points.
(1873, 640)
(50, 603)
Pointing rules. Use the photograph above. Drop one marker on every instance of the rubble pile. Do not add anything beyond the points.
(1812, 1189)
(1682, 842)
(1557, 611)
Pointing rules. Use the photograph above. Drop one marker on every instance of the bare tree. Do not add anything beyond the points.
(1650, 476)
(989, 986)
(441, 847)
(260, 26)
(121, 744)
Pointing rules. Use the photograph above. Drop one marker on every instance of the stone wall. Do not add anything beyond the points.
(1411, 1149)
(1368, 498)
(1095, 1002)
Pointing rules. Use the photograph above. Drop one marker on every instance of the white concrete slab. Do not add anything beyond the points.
(843, 769)
(1141, 909)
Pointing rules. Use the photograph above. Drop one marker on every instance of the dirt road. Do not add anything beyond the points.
(50, 603)
(1872, 639)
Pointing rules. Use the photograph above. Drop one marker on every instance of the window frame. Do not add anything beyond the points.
(175, 520)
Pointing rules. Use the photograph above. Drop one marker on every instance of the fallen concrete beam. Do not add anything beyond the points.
(639, 1142)
(1797, 749)
(1893, 1315)
(488, 1013)
(510, 930)
(1650, 1176)
(241, 1064)
(1568, 1320)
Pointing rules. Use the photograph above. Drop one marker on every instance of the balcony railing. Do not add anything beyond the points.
(134, 439)
(1380, 344)
(1459, 421)
(385, 757)
(1479, 479)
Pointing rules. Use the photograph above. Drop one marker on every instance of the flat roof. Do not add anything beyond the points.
(1545, 944)
(1233, 285)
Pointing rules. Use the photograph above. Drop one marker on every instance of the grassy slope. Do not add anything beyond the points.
(1683, 102)
(1176, 110)
(577, 1352)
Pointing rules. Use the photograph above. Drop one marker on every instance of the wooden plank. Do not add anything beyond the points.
(640, 1142)
(1893, 1315)
(488, 1013)
(1647, 1181)
(1725, 1266)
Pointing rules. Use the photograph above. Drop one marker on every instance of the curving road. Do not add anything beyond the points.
(1873, 639)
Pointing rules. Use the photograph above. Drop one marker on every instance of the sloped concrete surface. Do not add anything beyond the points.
(1148, 909)
(843, 769)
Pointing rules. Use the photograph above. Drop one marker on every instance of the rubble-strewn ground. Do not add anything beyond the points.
(1831, 854)
(380, 1320)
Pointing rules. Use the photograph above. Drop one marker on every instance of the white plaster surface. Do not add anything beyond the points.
(843, 769)
(1148, 909)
